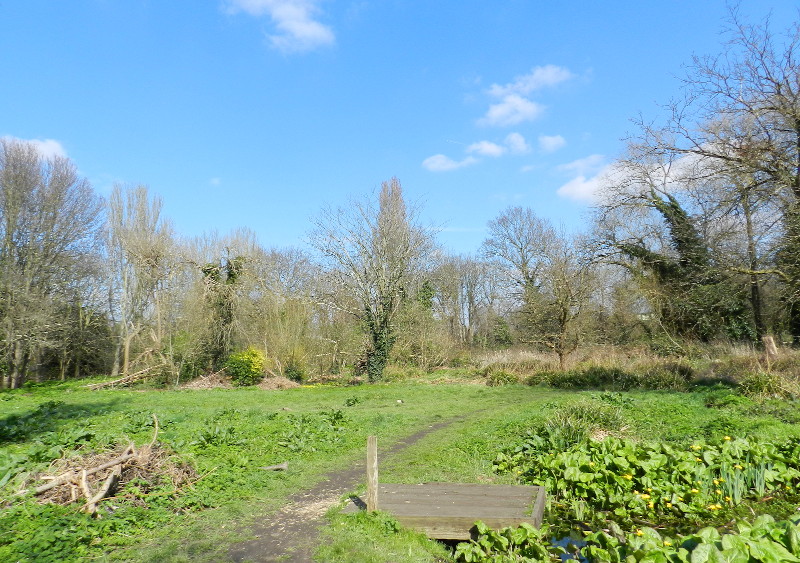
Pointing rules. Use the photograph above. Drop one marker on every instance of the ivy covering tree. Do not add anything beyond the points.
(693, 297)
(376, 255)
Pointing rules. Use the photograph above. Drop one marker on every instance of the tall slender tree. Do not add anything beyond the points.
(376, 254)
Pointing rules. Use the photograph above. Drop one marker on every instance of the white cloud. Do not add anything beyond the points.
(514, 106)
(591, 174)
(511, 110)
(584, 166)
(517, 144)
(539, 77)
(442, 163)
(294, 19)
(48, 148)
(215, 181)
(551, 143)
(486, 148)
(581, 189)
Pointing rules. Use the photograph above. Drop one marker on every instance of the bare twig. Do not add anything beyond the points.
(111, 480)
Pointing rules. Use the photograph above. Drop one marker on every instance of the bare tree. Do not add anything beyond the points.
(552, 272)
(517, 240)
(466, 296)
(557, 314)
(741, 117)
(49, 223)
(141, 247)
(375, 254)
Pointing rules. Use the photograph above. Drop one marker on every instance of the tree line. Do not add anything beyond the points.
(695, 237)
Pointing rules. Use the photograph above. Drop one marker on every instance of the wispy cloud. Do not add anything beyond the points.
(48, 148)
(486, 148)
(517, 144)
(298, 29)
(583, 165)
(513, 109)
(514, 143)
(442, 163)
(590, 175)
(539, 77)
(551, 143)
(514, 105)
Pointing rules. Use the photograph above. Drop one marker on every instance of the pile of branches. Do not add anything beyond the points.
(95, 477)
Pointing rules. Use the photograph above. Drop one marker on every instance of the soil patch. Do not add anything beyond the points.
(291, 535)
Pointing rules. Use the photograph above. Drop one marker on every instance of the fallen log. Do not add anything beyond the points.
(280, 467)
(141, 374)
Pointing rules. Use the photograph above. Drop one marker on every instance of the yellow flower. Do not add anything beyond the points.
(627, 476)
(639, 532)
(719, 492)
(696, 447)
(695, 491)
(698, 459)
(712, 506)
(645, 496)
(721, 480)
(591, 463)
(669, 505)
(737, 466)
(727, 437)
(667, 542)
(650, 505)
(716, 482)
(649, 490)
(680, 499)
(728, 499)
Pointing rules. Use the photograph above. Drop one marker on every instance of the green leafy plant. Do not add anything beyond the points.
(497, 377)
(624, 481)
(520, 544)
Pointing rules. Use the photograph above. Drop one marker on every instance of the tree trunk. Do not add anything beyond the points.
(752, 258)
(19, 366)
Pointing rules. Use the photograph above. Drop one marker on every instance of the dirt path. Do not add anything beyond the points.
(291, 535)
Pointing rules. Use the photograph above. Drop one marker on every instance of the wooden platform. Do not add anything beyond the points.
(450, 510)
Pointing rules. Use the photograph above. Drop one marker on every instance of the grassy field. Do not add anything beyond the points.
(225, 436)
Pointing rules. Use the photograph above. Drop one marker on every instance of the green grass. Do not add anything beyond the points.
(228, 434)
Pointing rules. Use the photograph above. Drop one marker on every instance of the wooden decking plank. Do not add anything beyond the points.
(473, 512)
(449, 510)
(440, 500)
(458, 506)
(457, 528)
(463, 488)
(485, 491)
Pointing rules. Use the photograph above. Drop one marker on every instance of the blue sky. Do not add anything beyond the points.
(256, 113)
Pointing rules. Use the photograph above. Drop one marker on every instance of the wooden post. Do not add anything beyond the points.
(372, 473)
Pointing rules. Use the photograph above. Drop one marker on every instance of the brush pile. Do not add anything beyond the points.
(91, 478)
